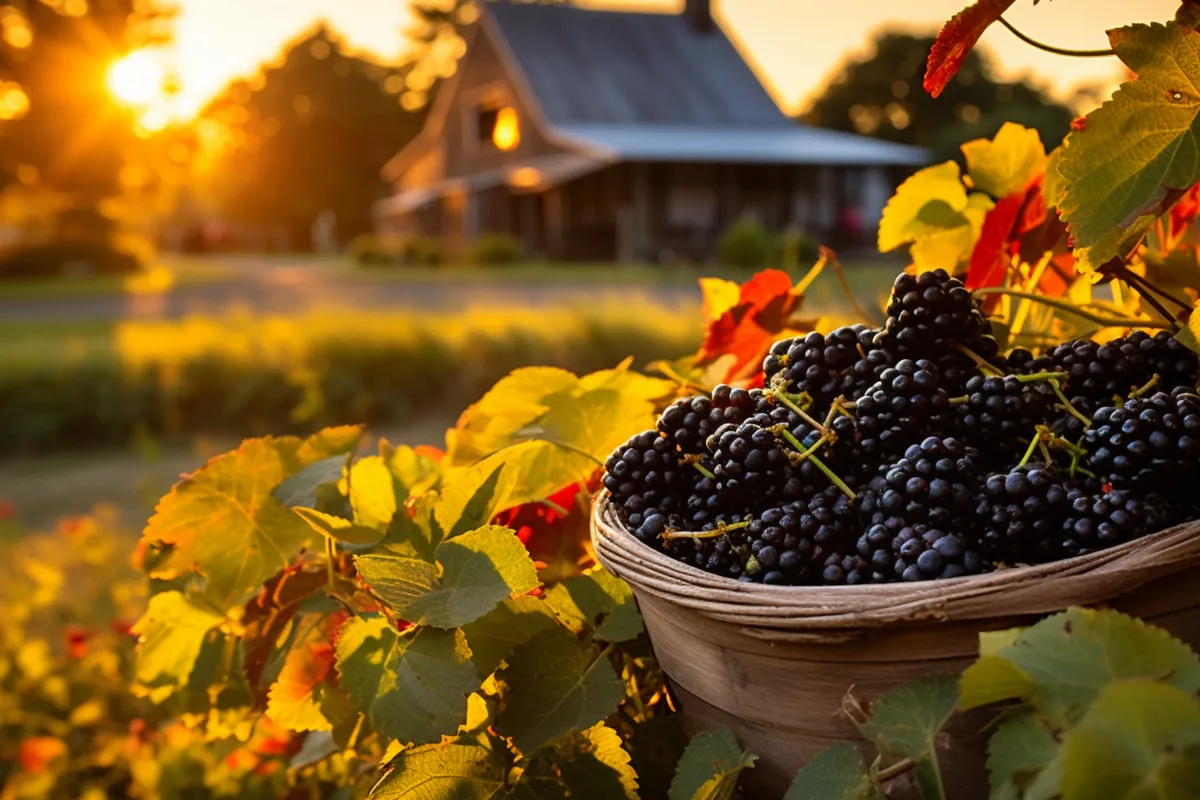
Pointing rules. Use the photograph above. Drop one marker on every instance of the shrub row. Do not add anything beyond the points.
(246, 376)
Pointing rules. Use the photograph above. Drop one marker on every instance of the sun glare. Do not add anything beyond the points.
(138, 79)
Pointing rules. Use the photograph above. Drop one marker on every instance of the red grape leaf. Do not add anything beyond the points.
(746, 330)
(268, 614)
(1184, 212)
(956, 40)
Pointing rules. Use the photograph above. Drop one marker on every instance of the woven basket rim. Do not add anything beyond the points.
(1014, 591)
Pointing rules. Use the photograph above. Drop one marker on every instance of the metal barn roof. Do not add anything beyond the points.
(588, 67)
(793, 144)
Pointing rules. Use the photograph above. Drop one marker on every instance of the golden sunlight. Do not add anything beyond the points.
(138, 79)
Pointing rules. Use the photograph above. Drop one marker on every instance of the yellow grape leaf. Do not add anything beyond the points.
(1006, 164)
(516, 399)
(170, 635)
(718, 296)
(372, 492)
(930, 201)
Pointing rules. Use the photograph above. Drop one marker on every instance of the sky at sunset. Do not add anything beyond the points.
(794, 43)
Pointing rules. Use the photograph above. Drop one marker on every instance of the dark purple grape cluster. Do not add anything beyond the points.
(819, 365)
(1094, 520)
(1020, 513)
(906, 405)
(917, 451)
(1004, 413)
(1151, 443)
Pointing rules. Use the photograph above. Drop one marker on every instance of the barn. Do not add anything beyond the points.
(624, 136)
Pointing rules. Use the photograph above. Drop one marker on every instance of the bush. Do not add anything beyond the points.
(248, 376)
(422, 251)
(369, 250)
(495, 249)
(747, 243)
(67, 258)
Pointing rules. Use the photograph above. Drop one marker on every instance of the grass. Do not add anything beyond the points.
(167, 274)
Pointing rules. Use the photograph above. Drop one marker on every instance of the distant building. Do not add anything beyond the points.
(600, 136)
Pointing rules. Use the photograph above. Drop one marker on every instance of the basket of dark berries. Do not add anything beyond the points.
(888, 495)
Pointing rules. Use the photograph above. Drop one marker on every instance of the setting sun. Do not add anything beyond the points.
(138, 79)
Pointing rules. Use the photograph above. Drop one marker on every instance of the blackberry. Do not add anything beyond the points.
(906, 404)
(1003, 413)
(1019, 514)
(816, 363)
(1150, 442)
(916, 553)
(647, 483)
(933, 312)
(1095, 520)
(779, 551)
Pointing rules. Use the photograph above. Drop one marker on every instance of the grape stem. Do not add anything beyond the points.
(1150, 384)
(833, 478)
(703, 470)
(1072, 410)
(720, 530)
(988, 369)
(1099, 319)
(1049, 48)
(831, 256)
(810, 454)
(1029, 451)
(959, 401)
(783, 397)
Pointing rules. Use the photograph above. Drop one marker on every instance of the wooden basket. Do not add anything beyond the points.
(773, 663)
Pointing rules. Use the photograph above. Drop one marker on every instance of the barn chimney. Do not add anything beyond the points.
(699, 14)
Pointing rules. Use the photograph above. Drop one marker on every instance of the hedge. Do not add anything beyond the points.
(246, 376)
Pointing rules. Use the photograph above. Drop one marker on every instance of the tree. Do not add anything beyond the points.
(62, 128)
(309, 135)
(881, 95)
(436, 44)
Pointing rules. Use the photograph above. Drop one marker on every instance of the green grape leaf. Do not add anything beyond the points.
(1062, 662)
(710, 767)
(170, 636)
(836, 773)
(1019, 750)
(556, 686)
(1139, 145)
(600, 602)
(1006, 164)
(595, 765)
(343, 530)
(1139, 739)
(372, 491)
(364, 646)
(413, 687)
(471, 497)
(515, 621)
(231, 494)
(302, 488)
(451, 771)
(905, 721)
(474, 572)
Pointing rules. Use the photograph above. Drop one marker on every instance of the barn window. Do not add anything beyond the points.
(498, 126)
